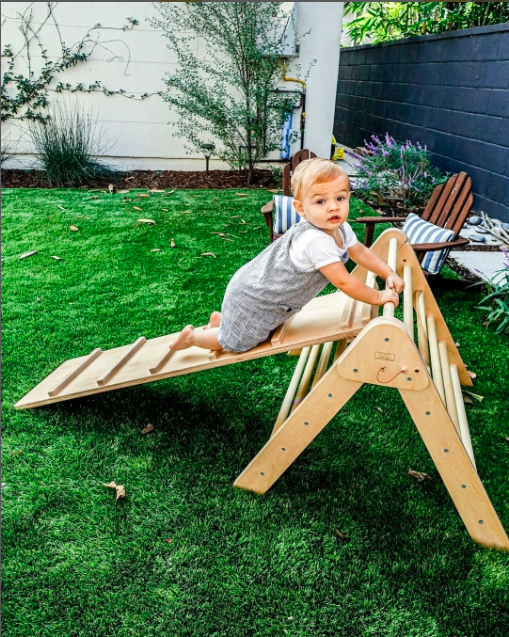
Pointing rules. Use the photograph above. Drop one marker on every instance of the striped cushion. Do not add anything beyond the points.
(285, 214)
(419, 231)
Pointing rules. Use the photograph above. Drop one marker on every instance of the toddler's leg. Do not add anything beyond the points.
(214, 320)
(189, 337)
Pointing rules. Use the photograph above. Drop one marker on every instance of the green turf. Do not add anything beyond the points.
(77, 563)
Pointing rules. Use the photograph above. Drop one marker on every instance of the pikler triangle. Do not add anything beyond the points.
(368, 349)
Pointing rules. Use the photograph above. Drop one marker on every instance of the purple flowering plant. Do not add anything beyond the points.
(390, 171)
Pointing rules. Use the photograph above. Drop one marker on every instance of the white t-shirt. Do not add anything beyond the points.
(313, 249)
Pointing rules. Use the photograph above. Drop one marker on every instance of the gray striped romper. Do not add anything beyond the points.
(266, 291)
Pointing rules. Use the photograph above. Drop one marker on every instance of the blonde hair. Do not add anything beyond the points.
(315, 171)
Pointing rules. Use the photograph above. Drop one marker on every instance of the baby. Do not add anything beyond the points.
(290, 272)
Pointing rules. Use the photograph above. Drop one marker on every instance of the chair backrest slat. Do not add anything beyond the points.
(450, 203)
(442, 200)
(426, 215)
(453, 197)
(455, 213)
(465, 211)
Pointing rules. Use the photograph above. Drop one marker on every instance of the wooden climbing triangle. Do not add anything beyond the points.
(416, 356)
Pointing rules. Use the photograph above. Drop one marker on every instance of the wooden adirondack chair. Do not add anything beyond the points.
(268, 208)
(448, 207)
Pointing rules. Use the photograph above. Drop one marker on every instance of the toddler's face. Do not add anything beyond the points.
(325, 205)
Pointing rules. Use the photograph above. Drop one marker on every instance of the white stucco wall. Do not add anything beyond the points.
(139, 133)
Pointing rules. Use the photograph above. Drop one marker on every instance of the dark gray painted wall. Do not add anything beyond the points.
(449, 91)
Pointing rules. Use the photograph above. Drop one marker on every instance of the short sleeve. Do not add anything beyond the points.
(350, 239)
(322, 250)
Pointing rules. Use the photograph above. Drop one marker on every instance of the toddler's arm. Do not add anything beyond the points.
(368, 259)
(338, 275)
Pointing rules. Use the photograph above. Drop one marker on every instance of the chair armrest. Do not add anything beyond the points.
(268, 207)
(377, 219)
(429, 247)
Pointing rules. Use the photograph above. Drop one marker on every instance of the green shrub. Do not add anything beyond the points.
(68, 146)
(390, 171)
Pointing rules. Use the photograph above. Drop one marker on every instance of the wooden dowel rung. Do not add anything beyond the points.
(436, 370)
(306, 377)
(449, 392)
(462, 414)
(392, 262)
(408, 305)
(280, 333)
(108, 375)
(75, 372)
(292, 388)
(422, 330)
(340, 348)
(162, 361)
(323, 363)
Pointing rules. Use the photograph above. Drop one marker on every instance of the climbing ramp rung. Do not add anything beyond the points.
(75, 372)
(108, 374)
(162, 361)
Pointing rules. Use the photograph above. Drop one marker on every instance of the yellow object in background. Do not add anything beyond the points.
(339, 153)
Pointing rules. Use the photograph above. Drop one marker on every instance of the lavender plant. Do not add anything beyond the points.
(498, 294)
(389, 171)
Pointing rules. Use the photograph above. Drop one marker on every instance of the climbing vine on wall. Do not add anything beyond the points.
(25, 94)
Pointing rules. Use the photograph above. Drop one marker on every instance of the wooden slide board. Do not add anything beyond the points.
(319, 321)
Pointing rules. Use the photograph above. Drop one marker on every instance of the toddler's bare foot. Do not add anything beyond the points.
(184, 340)
(214, 320)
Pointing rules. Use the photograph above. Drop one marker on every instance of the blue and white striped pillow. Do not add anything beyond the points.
(285, 214)
(419, 231)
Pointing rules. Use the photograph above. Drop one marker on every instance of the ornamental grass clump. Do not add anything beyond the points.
(68, 146)
(389, 172)
(498, 295)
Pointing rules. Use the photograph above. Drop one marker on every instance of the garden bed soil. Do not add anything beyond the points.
(159, 179)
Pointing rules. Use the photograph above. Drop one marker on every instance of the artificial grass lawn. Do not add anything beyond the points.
(77, 563)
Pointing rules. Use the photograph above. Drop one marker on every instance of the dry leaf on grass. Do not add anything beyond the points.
(165, 209)
(468, 400)
(136, 208)
(242, 221)
(156, 250)
(126, 199)
(73, 228)
(221, 234)
(208, 254)
(154, 190)
(122, 192)
(236, 217)
(142, 196)
(225, 239)
(471, 374)
(257, 228)
(172, 243)
(119, 488)
(186, 212)
(28, 254)
(342, 536)
(94, 197)
(111, 188)
(168, 541)
(147, 221)
(56, 258)
(457, 344)
(418, 475)
(16, 453)
(61, 208)
(147, 429)
(241, 194)
(169, 193)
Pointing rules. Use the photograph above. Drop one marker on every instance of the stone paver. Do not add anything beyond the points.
(482, 264)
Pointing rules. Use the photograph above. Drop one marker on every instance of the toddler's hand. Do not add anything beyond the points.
(394, 282)
(388, 296)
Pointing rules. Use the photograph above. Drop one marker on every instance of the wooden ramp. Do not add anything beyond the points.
(326, 318)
